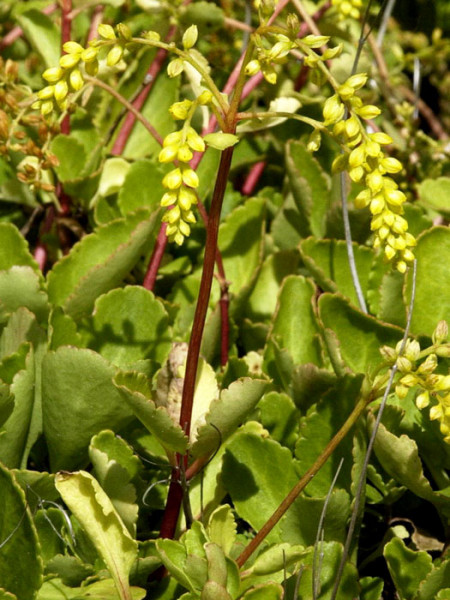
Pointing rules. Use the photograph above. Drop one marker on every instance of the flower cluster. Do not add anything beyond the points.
(77, 61)
(433, 388)
(367, 164)
(266, 58)
(348, 8)
(181, 182)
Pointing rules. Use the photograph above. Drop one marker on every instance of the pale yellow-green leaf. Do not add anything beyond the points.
(98, 517)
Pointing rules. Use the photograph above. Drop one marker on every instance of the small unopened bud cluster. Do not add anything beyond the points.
(69, 75)
(367, 164)
(182, 181)
(348, 8)
(268, 57)
(433, 388)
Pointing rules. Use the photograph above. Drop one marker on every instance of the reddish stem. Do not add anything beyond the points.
(173, 504)
(253, 177)
(155, 260)
(96, 19)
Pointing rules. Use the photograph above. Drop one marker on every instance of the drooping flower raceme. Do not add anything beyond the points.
(433, 389)
(182, 181)
(348, 8)
(367, 164)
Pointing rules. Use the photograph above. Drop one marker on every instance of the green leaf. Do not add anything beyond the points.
(240, 242)
(22, 286)
(13, 439)
(134, 389)
(62, 330)
(322, 422)
(130, 324)
(432, 285)
(114, 172)
(360, 336)
(371, 588)
(300, 524)
(79, 399)
(115, 467)
(156, 109)
(330, 557)
(220, 140)
(222, 527)
(327, 261)
(226, 413)
(399, 457)
(262, 302)
(258, 474)
(264, 591)
(42, 34)
(6, 404)
(276, 558)
(280, 417)
(310, 187)
(14, 249)
(94, 510)
(99, 262)
(174, 556)
(434, 194)
(105, 589)
(295, 319)
(18, 538)
(142, 187)
(437, 579)
(407, 567)
(71, 156)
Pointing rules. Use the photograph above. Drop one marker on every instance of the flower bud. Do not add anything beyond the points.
(381, 138)
(76, 80)
(357, 81)
(314, 141)
(252, 67)
(332, 52)
(46, 93)
(72, 48)
(168, 154)
(92, 68)
(369, 111)
(190, 178)
(53, 74)
(61, 90)
(89, 55)
(205, 98)
(46, 107)
(175, 67)
(391, 165)
(388, 353)
(423, 400)
(173, 179)
(404, 365)
(316, 41)
(114, 55)
(333, 110)
(180, 110)
(440, 333)
(184, 153)
(124, 32)
(106, 32)
(68, 61)
(152, 36)
(190, 37)
(429, 365)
